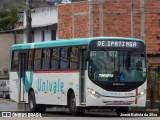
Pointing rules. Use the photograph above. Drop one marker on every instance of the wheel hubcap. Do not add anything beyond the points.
(31, 102)
(74, 104)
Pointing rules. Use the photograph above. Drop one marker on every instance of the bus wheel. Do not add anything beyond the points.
(32, 104)
(122, 110)
(73, 108)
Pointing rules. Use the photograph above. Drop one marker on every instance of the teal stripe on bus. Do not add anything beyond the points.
(59, 43)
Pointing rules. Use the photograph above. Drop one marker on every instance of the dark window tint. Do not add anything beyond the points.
(74, 58)
(46, 59)
(64, 58)
(37, 59)
(55, 58)
(30, 60)
(15, 61)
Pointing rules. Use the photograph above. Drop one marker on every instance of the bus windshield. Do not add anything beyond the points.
(117, 66)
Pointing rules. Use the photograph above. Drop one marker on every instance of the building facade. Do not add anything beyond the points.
(44, 24)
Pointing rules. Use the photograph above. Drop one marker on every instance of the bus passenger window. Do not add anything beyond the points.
(55, 58)
(74, 58)
(45, 59)
(64, 59)
(37, 59)
(30, 60)
(15, 61)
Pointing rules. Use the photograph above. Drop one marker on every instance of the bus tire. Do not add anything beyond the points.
(73, 108)
(122, 110)
(32, 104)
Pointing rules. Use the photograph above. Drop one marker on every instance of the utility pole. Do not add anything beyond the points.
(142, 20)
(72, 19)
(28, 21)
(132, 22)
(91, 18)
(101, 18)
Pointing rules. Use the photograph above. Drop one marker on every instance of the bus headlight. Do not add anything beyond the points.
(141, 94)
(93, 92)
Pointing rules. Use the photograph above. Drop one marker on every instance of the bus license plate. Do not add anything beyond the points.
(118, 102)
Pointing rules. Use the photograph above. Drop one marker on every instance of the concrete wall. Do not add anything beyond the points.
(6, 41)
(42, 16)
(42, 19)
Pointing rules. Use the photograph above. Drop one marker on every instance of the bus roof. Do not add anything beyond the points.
(66, 42)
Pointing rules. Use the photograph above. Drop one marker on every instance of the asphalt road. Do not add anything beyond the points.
(55, 114)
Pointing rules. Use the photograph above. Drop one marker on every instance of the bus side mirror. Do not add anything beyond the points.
(85, 52)
(143, 55)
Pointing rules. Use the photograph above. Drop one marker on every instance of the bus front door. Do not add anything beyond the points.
(82, 78)
(22, 69)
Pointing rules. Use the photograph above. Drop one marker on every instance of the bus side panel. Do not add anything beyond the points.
(45, 87)
(71, 81)
(14, 86)
(28, 84)
(51, 87)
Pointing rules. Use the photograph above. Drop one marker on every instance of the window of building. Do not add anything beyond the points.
(37, 59)
(32, 35)
(46, 59)
(43, 35)
(53, 34)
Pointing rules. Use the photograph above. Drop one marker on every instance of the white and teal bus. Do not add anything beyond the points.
(80, 73)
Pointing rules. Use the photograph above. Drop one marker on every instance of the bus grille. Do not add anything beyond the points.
(120, 89)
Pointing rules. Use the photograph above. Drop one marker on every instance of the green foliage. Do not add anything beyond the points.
(8, 19)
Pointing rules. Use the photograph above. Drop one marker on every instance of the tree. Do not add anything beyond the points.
(8, 19)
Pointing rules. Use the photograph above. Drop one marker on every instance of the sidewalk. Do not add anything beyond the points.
(156, 107)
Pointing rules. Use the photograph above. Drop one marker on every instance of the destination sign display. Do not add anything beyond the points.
(117, 44)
